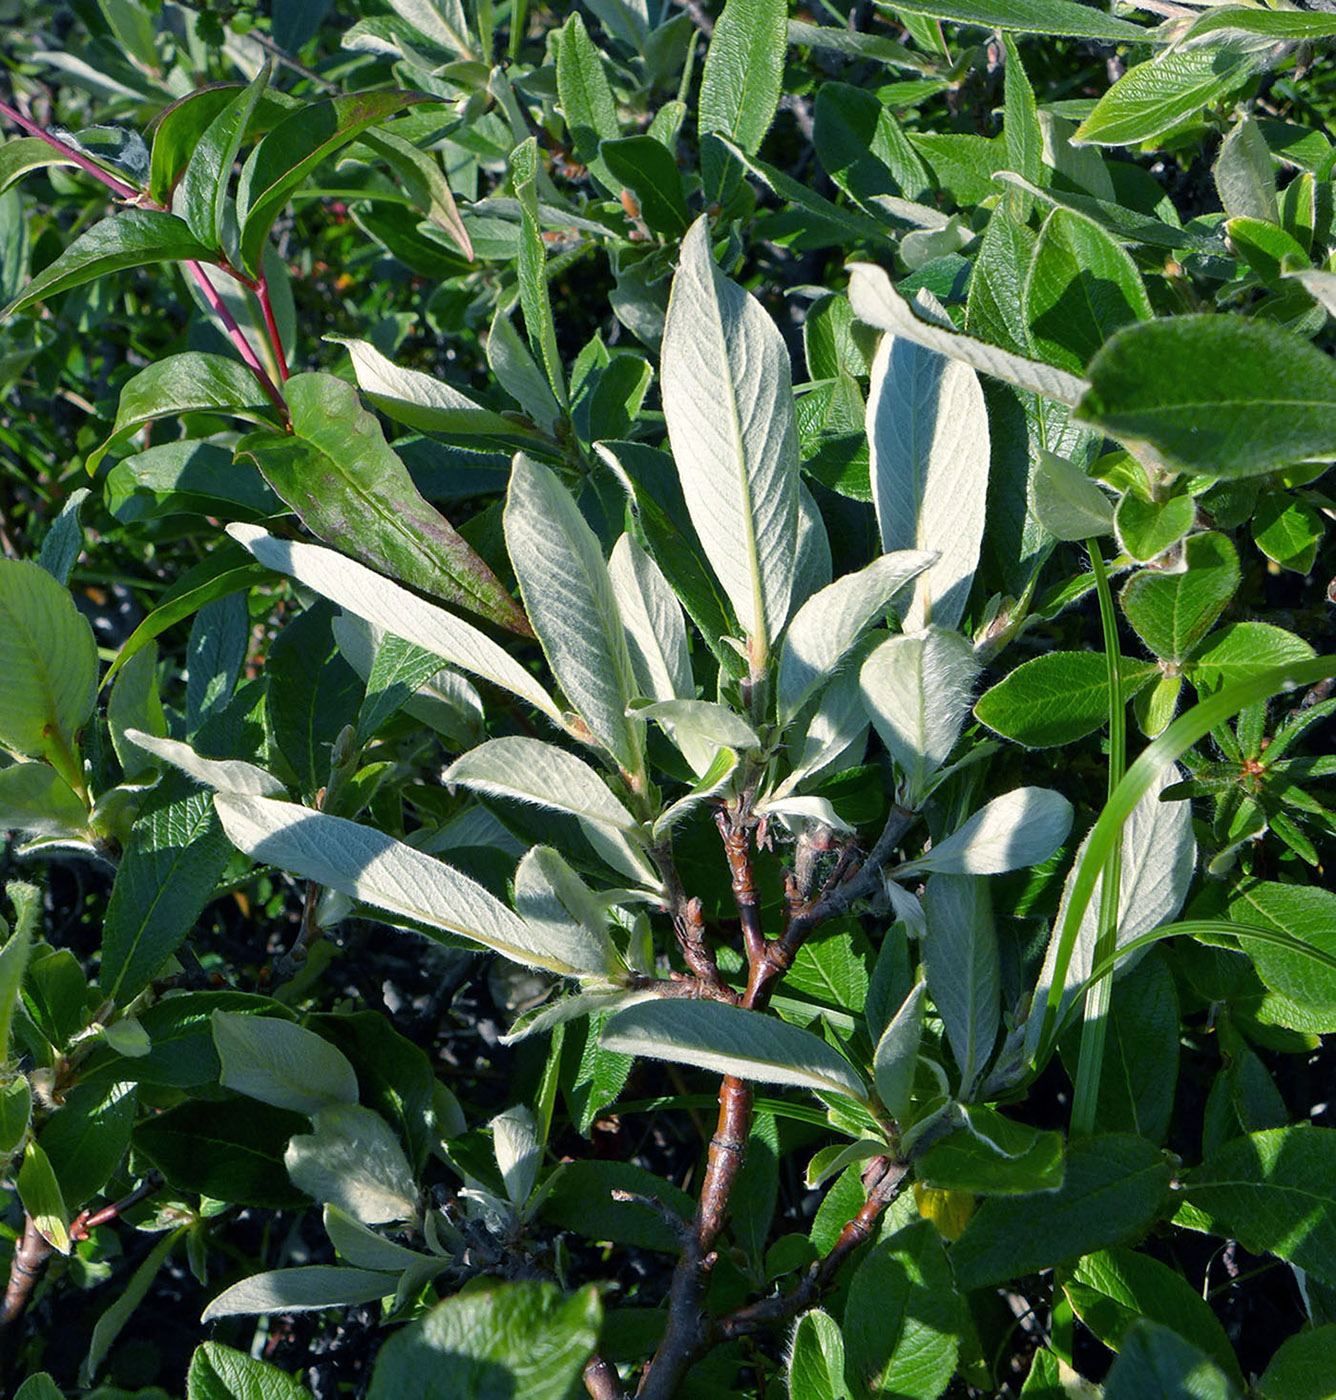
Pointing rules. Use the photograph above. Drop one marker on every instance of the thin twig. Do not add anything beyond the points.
(26, 1267)
(287, 60)
(688, 923)
(87, 1221)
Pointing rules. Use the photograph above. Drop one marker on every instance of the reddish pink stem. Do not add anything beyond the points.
(238, 337)
(117, 187)
(271, 325)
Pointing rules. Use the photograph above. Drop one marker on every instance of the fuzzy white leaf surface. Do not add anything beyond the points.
(927, 429)
(706, 727)
(352, 1159)
(360, 590)
(225, 774)
(530, 770)
(813, 566)
(799, 812)
(876, 302)
(519, 1154)
(728, 401)
(831, 621)
(1013, 832)
(835, 734)
(730, 1040)
(656, 633)
(1066, 502)
(964, 971)
(569, 598)
(389, 875)
(918, 690)
(1158, 860)
(301, 1290)
(414, 398)
(281, 1063)
(550, 896)
(896, 1055)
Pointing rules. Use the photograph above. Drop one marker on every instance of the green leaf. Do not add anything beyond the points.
(226, 774)
(350, 488)
(816, 1358)
(1245, 176)
(424, 181)
(230, 1149)
(1306, 913)
(744, 69)
(14, 956)
(581, 1200)
(314, 1287)
(175, 856)
(1242, 651)
(220, 1373)
(65, 539)
(1022, 827)
(896, 1057)
(656, 634)
(531, 266)
(369, 866)
(1154, 96)
(15, 1115)
(728, 400)
(1288, 531)
(1111, 1290)
(916, 689)
(904, 1319)
(1272, 1192)
(1172, 612)
(522, 1340)
(178, 133)
(863, 149)
(1145, 529)
(992, 1155)
(194, 381)
(1081, 287)
(39, 1191)
(281, 1064)
(715, 1036)
(300, 142)
(961, 961)
(1302, 1366)
(393, 609)
(1057, 698)
(49, 661)
(569, 597)
(351, 1159)
(85, 1140)
(1067, 502)
(35, 798)
(1029, 17)
(1113, 1189)
(646, 167)
(110, 1325)
(203, 193)
(1187, 387)
(131, 238)
(1157, 1364)
(24, 154)
(586, 98)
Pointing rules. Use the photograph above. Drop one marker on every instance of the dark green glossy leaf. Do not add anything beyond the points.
(178, 132)
(219, 1373)
(1113, 1189)
(175, 856)
(581, 1200)
(293, 149)
(1288, 531)
(1145, 529)
(524, 1341)
(207, 177)
(350, 488)
(86, 1138)
(1057, 698)
(194, 381)
(132, 238)
(993, 1155)
(1157, 1364)
(1188, 387)
(230, 1149)
(646, 167)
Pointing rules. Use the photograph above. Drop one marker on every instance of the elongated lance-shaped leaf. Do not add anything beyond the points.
(744, 70)
(425, 181)
(876, 302)
(831, 621)
(927, 430)
(359, 590)
(386, 874)
(896, 1055)
(133, 238)
(300, 1290)
(194, 381)
(279, 164)
(204, 185)
(528, 770)
(917, 691)
(1032, 17)
(1019, 829)
(225, 774)
(730, 1040)
(411, 397)
(566, 589)
(348, 485)
(964, 972)
(656, 634)
(728, 400)
(551, 896)
(1159, 855)
(532, 268)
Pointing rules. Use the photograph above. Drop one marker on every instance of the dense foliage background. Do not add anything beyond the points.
(981, 449)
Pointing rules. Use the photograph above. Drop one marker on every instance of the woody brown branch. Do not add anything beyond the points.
(27, 1266)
